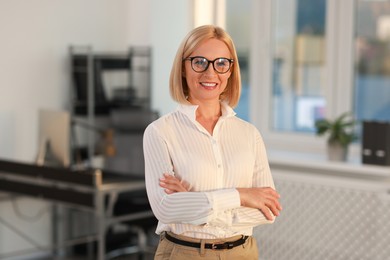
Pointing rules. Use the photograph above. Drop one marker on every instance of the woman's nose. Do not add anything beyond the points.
(210, 70)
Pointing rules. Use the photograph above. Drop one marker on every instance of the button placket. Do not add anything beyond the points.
(217, 149)
(217, 154)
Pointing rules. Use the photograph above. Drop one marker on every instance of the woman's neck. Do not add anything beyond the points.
(208, 112)
(208, 115)
(207, 109)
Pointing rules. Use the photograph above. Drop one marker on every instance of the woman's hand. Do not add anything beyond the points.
(171, 184)
(265, 199)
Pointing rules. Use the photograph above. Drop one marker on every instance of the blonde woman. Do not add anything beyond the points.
(207, 174)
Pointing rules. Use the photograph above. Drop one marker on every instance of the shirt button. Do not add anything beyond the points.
(219, 166)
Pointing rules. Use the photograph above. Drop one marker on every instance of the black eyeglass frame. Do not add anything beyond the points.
(231, 61)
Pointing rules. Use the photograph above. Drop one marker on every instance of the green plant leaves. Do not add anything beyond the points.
(340, 130)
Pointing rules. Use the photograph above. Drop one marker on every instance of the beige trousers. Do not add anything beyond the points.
(168, 250)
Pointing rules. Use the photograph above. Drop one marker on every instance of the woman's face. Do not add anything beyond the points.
(208, 85)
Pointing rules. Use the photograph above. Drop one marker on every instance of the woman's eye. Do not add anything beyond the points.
(222, 63)
(200, 62)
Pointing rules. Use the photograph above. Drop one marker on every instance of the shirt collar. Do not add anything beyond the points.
(190, 110)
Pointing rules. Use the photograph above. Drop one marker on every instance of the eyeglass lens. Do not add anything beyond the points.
(200, 64)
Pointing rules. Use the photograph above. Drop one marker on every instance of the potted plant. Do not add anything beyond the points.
(340, 135)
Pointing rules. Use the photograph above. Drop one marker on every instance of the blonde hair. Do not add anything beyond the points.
(177, 83)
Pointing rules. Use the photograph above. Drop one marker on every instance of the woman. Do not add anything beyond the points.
(206, 171)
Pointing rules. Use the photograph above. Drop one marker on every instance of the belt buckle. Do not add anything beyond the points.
(226, 245)
(214, 246)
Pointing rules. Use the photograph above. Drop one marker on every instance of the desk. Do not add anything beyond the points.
(85, 189)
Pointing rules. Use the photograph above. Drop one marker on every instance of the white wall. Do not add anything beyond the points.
(34, 41)
(171, 20)
(35, 37)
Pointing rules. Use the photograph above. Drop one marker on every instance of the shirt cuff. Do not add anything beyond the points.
(225, 199)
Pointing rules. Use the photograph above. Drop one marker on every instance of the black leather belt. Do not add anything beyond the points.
(226, 245)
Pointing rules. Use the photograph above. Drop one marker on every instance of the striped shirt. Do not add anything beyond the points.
(214, 165)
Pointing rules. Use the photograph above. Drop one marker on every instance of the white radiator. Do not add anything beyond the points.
(328, 217)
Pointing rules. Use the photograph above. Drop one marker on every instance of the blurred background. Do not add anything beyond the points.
(301, 61)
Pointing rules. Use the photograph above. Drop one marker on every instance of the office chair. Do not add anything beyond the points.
(129, 125)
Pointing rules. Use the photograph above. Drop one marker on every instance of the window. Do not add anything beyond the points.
(372, 60)
(238, 24)
(315, 58)
(298, 64)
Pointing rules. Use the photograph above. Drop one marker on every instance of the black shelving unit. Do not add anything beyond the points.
(92, 100)
(88, 69)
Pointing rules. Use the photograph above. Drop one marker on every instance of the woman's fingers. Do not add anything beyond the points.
(267, 213)
(168, 191)
(171, 184)
(272, 201)
(273, 207)
(263, 198)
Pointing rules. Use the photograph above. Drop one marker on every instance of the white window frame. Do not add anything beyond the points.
(339, 75)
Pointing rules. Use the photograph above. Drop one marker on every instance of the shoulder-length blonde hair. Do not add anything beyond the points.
(177, 83)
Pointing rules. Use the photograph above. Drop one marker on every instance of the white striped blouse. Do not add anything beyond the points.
(214, 165)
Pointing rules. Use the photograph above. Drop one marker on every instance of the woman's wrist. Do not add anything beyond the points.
(241, 192)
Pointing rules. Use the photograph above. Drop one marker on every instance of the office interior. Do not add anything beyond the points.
(332, 209)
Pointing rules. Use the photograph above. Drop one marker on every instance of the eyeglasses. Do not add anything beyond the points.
(200, 64)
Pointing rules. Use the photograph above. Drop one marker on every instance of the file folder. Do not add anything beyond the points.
(376, 143)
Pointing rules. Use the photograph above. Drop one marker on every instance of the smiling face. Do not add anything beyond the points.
(207, 86)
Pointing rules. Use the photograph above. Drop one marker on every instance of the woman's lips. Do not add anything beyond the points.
(208, 85)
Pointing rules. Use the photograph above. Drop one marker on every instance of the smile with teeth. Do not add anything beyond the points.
(208, 85)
